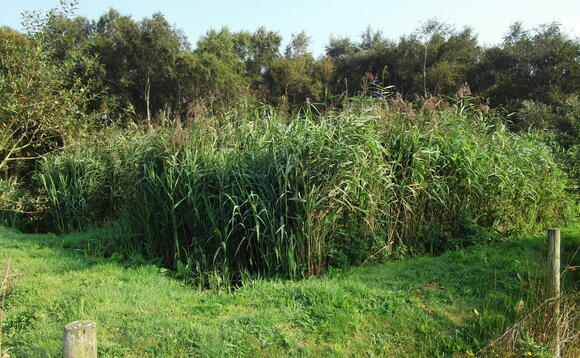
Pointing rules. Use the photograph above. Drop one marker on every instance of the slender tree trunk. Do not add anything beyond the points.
(148, 98)
(425, 73)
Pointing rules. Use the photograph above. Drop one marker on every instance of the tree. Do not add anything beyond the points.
(340, 48)
(289, 80)
(155, 55)
(218, 71)
(39, 108)
(452, 62)
(427, 33)
(257, 51)
(139, 60)
(298, 78)
(371, 39)
(298, 45)
(359, 63)
(289, 77)
(542, 65)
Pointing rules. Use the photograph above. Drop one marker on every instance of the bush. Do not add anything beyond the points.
(10, 202)
(39, 107)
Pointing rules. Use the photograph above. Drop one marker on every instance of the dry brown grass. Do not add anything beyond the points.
(539, 326)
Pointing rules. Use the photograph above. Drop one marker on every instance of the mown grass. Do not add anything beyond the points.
(447, 306)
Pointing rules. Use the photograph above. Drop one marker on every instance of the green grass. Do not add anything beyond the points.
(419, 307)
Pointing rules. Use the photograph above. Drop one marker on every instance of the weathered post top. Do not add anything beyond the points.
(80, 340)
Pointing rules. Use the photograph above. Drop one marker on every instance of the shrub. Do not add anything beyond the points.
(10, 203)
(39, 106)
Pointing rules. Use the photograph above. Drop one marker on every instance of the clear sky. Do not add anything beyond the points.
(323, 18)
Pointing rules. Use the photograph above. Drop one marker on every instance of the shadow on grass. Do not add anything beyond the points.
(460, 268)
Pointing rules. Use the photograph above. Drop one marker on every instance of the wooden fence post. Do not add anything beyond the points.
(80, 340)
(554, 278)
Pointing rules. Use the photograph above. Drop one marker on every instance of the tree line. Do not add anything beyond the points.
(115, 69)
(150, 66)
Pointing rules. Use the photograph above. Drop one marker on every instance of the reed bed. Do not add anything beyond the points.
(256, 193)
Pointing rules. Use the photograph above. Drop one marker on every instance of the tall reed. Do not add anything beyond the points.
(255, 193)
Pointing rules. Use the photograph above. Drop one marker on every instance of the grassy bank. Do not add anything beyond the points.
(444, 306)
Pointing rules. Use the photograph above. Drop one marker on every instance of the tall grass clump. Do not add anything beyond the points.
(94, 181)
(253, 192)
(273, 200)
(458, 177)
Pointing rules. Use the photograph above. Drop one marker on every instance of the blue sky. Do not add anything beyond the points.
(323, 18)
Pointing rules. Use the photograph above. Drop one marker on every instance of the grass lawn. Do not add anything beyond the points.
(447, 306)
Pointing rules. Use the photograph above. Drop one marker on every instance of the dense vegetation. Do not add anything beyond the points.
(237, 160)
(150, 66)
(147, 67)
(258, 195)
(233, 158)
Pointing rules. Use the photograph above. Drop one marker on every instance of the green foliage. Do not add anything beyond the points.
(434, 59)
(10, 202)
(145, 69)
(258, 50)
(297, 78)
(254, 194)
(39, 108)
(219, 72)
(540, 65)
(94, 182)
(535, 115)
(139, 61)
(562, 125)
(220, 187)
